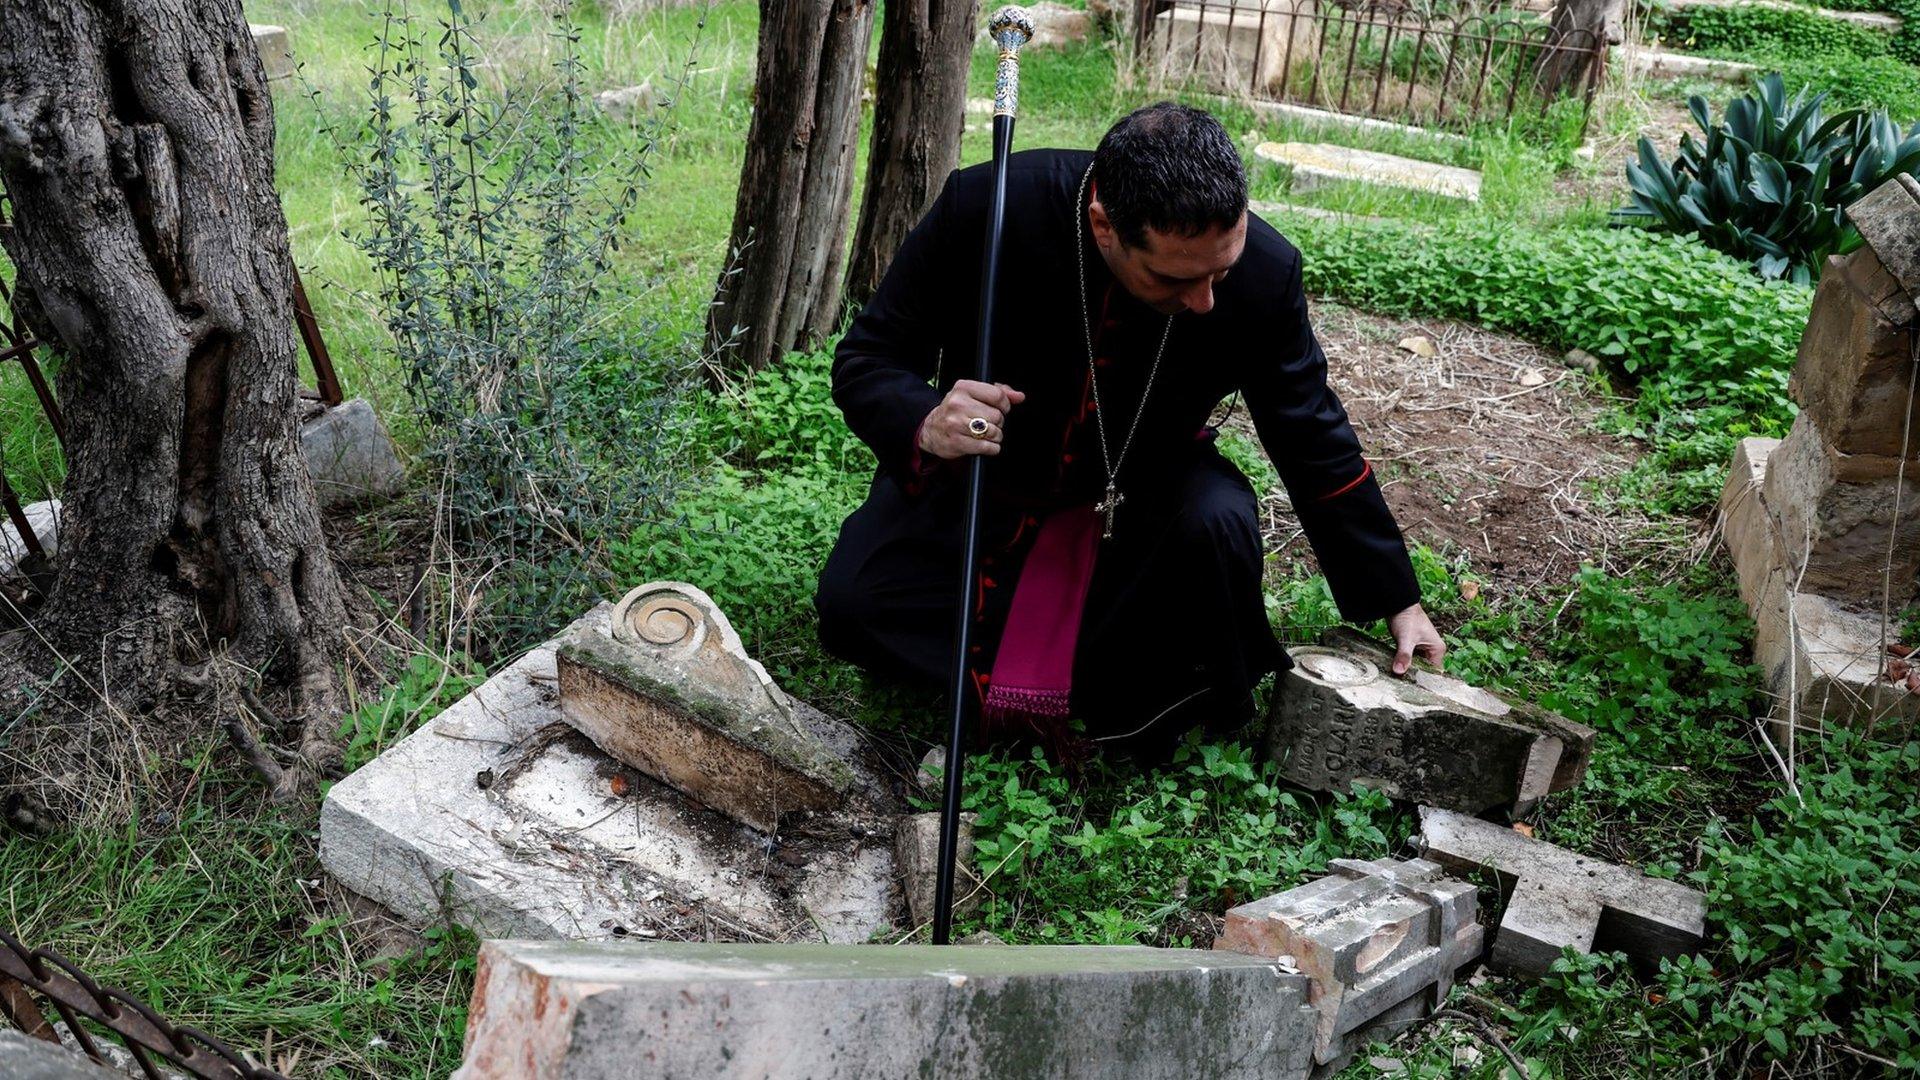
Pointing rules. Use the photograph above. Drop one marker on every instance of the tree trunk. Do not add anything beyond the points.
(919, 110)
(1580, 31)
(136, 142)
(789, 221)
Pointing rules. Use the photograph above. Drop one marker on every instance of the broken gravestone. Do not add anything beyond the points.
(1379, 942)
(671, 692)
(1557, 899)
(1820, 525)
(350, 455)
(916, 852)
(1340, 717)
(613, 1010)
(499, 815)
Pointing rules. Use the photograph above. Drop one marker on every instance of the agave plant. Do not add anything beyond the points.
(1771, 180)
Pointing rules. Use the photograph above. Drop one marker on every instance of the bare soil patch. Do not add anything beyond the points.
(1487, 448)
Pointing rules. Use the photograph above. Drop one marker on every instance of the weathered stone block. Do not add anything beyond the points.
(1558, 899)
(1661, 64)
(673, 694)
(498, 815)
(1235, 47)
(350, 455)
(1369, 937)
(1852, 372)
(609, 1011)
(23, 1057)
(44, 519)
(628, 104)
(1838, 534)
(916, 852)
(1340, 718)
(276, 50)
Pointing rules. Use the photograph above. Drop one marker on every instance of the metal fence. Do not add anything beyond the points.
(1378, 59)
(28, 976)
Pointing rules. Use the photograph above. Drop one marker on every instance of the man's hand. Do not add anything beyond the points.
(1413, 633)
(945, 432)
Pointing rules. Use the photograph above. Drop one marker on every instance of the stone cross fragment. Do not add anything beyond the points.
(672, 693)
(1378, 940)
(1341, 718)
(1560, 899)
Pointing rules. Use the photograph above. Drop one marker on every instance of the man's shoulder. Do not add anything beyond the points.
(1039, 170)
(1268, 252)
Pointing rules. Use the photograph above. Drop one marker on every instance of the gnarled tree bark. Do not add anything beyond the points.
(136, 143)
(919, 110)
(781, 290)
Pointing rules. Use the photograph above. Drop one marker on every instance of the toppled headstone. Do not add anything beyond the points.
(1378, 939)
(628, 104)
(1558, 899)
(1314, 164)
(276, 50)
(613, 1010)
(1341, 718)
(350, 455)
(916, 852)
(497, 814)
(44, 519)
(672, 692)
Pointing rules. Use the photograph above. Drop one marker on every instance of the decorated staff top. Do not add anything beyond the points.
(1010, 28)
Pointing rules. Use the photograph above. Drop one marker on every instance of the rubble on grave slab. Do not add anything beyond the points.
(612, 1010)
(500, 815)
(1810, 521)
(1341, 718)
(1558, 899)
(1379, 940)
(671, 692)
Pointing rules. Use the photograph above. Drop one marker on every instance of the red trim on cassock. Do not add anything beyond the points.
(1365, 471)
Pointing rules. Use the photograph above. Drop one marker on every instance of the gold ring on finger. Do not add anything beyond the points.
(978, 427)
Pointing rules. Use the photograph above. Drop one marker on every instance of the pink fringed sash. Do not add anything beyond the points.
(1033, 671)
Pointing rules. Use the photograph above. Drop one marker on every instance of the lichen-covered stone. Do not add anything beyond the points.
(1341, 718)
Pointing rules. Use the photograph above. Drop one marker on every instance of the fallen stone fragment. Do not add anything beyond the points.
(628, 104)
(23, 1057)
(1558, 899)
(614, 1010)
(1375, 938)
(1340, 717)
(672, 693)
(350, 456)
(916, 853)
(275, 48)
(44, 519)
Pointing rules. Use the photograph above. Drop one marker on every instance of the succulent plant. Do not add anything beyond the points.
(1772, 179)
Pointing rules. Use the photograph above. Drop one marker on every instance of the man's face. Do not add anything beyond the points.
(1170, 273)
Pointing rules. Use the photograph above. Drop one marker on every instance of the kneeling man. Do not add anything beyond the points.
(1120, 565)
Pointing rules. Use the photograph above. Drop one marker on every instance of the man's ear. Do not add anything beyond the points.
(1103, 233)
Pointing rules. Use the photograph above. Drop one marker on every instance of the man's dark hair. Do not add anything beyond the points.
(1172, 167)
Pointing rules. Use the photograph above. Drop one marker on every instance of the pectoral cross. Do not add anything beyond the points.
(1105, 508)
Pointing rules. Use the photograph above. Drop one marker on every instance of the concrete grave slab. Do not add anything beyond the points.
(499, 815)
(1340, 718)
(1233, 47)
(1868, 20)
(672, 692)
(44, 519)
(1662, 64)
(1559, 899)
(1314, 164)
(600, 1011)
(1287, 110)
(350, 455)
(1375, 938)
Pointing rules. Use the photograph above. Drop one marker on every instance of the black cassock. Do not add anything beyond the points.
(1175, 630)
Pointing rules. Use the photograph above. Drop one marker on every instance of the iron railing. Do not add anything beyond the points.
(1378, 59)
(27, 974)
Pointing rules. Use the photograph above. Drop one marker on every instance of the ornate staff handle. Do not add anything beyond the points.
(1011, 27)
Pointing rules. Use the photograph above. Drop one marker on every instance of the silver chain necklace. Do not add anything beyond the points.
(1111, 503)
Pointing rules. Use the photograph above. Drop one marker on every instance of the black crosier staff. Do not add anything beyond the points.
(1010, 28)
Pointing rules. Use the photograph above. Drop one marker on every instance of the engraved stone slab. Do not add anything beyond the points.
(1559, 899)
(672, 693)
(615, 1010)
(1340, 718)
(1372, 936)
(499, 815)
